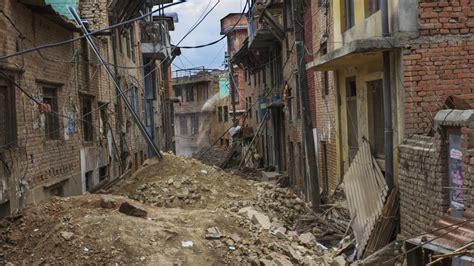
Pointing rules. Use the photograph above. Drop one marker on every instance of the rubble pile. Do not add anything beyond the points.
(278, 203)
(178, 211)
(183, 182)
(214, 155)
(284, 229)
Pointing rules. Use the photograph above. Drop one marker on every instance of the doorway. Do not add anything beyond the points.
(352, 124)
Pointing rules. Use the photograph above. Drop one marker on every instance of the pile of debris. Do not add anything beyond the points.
(286, 229)
(183, 182)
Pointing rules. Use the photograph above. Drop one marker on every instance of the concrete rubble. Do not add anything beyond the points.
(239, 221)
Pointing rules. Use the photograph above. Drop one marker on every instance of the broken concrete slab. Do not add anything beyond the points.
(307, 238)
(132, 210)
(67, 235)
(269, 176)
(247, 211)
(108, 202)
(213, 233)
(262, 220)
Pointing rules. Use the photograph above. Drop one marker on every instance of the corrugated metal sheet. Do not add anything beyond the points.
(448, 233)
(366, 192)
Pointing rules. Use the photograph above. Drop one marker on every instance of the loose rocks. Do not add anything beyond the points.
(129, 209)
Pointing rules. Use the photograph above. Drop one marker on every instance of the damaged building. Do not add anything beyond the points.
(65, 129)
(196, 116)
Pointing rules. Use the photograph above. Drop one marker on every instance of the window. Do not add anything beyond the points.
(288, 22)
(226, 113)
(103, 173)
(57, 190)
(250, 107)
(195, 124)
(89, 178)
(183, 125)
(103, 119)
(202, 92)
(375, 89)
(134, 101)
(348, 15)
(323, 49)
(178, 92)
(219, 114)
(132, 44)
(87, 129)
(371, 6)
(51, 125)
(128, 43)
(325, 83)
(7, 115)
(235, 87)
(297, 100)
(190, 94)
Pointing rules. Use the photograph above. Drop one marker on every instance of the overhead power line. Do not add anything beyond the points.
(221, 38)
(50, 45)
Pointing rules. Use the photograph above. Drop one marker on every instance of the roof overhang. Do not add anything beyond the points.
(262, 40)
(353, 52)
(45, 9)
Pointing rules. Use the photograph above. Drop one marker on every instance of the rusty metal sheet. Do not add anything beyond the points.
(366, 192)
(448, 233)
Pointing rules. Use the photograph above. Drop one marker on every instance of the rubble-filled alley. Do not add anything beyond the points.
(237, 132)
(182, 212)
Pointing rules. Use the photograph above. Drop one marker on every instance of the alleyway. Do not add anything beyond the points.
(223, 217)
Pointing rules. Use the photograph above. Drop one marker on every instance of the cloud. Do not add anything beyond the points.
(207, 31)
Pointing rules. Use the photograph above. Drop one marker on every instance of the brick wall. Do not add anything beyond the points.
(446, 17)
(439, 63)
(323, 106)
(421, 178)
(35, 160)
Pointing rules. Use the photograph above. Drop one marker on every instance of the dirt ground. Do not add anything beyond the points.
(228, 220)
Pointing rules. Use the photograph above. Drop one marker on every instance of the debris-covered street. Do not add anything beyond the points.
(188, 213)
(237, 132)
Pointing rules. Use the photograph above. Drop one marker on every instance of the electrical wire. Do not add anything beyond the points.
(221, 38)
(50, 45)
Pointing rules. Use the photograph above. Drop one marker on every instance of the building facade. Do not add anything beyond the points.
(66, 130)
(429, 47)
(196, 115)
(272, 91)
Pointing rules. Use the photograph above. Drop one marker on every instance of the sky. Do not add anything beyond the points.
(208, 31)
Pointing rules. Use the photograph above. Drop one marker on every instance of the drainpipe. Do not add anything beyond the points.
(387, 101)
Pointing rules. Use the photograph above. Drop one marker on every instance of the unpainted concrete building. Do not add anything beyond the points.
(198, 92)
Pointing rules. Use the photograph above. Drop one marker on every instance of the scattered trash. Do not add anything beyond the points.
(204, 172)
(187, 244)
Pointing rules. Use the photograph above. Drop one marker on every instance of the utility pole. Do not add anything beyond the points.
(135, 116)
(313, 178)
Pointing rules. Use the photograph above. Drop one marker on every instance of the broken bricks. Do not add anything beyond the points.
(213, 233)
(132, 210)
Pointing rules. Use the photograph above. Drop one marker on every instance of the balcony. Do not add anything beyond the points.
(266, 24)
(155, 40)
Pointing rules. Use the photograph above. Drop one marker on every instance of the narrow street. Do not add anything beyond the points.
(193, 214)
(237, 132)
